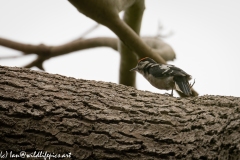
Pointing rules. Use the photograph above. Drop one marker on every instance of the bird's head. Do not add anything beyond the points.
(142, 63)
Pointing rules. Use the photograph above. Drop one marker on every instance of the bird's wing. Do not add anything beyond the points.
(166, 70)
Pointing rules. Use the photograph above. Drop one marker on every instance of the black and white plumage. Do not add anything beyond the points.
(164, 76)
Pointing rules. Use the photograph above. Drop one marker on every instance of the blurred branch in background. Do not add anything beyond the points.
(106, 12)
(160, 33)
(45, 52)
(128, 59)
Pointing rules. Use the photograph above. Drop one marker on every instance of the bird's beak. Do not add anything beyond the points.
(134, 69)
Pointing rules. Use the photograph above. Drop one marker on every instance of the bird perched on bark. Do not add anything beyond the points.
(164, 76)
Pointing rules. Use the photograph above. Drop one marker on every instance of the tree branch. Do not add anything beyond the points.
(46, 51)
(133, 18)
(100, 120)
(54, 51)
(106, 13)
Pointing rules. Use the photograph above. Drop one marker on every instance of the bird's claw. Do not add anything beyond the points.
(167, 94)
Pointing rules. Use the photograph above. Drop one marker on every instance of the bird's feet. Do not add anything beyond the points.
(167, 94)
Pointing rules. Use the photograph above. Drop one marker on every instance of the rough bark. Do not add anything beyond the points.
(100, 120)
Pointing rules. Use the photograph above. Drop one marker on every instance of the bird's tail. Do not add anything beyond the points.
(182, 85)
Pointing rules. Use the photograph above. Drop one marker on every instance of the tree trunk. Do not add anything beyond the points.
(98, 120)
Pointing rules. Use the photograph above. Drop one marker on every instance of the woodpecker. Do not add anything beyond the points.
(164, 76)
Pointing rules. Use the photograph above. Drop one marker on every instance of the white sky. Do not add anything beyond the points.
(206, 39)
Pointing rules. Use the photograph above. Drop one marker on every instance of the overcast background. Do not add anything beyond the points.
(206, 40)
